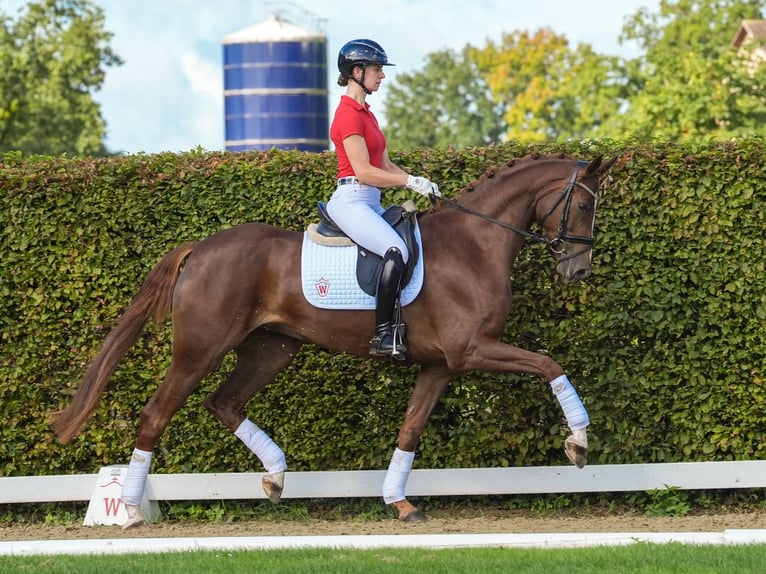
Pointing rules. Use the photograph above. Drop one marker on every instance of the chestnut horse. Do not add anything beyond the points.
(240, 290)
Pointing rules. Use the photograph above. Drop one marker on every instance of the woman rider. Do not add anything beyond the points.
(363, 169)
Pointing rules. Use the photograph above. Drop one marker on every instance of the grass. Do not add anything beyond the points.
(635, 559)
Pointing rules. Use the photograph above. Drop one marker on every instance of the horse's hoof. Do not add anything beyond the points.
(135, 517)
(273, 485)
(415, 516)
(407, 512)
(576, 448)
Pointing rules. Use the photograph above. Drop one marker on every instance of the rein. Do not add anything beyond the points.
(536, 237)
(556, 245)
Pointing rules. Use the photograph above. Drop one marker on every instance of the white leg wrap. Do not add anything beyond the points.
(135, 479)
(396, 477)
(267, 451)
(574, 411)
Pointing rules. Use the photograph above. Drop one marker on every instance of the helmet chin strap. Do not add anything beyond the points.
(361, 81)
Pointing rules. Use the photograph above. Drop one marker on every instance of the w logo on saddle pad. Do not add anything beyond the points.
(330, 278)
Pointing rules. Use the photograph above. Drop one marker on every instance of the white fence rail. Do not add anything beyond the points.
(422, 482)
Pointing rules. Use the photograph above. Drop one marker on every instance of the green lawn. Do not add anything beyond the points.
(634, 559)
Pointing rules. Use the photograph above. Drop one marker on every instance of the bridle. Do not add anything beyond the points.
(558, 244)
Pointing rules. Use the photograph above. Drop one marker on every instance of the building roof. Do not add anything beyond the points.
(274, 29)
(750, 30)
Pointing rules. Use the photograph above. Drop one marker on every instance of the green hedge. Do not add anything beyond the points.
(666, 342)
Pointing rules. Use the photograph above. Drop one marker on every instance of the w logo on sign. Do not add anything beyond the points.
(106, 506)
(322, 287)
(112, 506)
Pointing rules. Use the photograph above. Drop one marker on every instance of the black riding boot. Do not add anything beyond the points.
(382, 343)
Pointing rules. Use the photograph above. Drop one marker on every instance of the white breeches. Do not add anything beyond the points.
(357, 210)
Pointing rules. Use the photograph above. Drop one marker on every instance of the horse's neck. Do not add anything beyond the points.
(495, 207)
(505, 198)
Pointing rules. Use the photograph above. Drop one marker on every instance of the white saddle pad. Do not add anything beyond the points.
(328, 277)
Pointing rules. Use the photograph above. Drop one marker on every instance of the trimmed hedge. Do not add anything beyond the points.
(665, 342)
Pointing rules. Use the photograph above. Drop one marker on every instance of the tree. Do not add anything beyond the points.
(691, 82)
(592, 95)
(446, 104)
(52, 58)
(549, 91)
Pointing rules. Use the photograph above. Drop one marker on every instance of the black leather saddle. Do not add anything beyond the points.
(369, 265)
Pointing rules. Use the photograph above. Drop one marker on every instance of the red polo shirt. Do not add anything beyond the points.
(351, 118)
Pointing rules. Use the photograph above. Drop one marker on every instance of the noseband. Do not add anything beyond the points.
(557, 244)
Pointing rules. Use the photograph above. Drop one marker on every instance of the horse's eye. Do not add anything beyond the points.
(583, 207)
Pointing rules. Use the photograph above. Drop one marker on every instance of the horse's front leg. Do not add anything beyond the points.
(429, 386)
(576, 444)
(491, 355)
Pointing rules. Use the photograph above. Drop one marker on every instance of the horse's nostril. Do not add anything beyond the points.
(581, 274)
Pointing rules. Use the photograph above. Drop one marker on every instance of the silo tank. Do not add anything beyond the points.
(275, 88)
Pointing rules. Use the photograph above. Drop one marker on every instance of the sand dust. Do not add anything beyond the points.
(465, 521)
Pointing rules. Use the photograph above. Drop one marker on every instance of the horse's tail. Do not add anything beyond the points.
(153, 301)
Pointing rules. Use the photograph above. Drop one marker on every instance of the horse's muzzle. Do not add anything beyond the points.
(573, 269)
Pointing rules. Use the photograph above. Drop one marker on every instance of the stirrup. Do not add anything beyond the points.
(383, 346)
(389, 343)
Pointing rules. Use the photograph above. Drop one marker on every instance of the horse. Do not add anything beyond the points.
(238, 290)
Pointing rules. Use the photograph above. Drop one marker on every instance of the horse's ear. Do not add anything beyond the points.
(599, 167)
(606, 166)
(593, 166)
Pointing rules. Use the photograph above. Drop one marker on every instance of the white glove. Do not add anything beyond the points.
(423, 186)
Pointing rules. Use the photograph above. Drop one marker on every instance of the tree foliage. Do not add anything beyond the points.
(688, 82)
(547, 89)
(52, 59)
(448, 103)
(691, 81)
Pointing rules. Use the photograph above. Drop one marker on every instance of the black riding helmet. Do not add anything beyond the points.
(361, 52)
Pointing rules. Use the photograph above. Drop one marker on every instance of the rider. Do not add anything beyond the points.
(363, 168)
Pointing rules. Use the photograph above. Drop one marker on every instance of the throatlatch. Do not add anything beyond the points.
(389, 337)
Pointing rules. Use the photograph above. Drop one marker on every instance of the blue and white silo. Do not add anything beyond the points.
(275, 88)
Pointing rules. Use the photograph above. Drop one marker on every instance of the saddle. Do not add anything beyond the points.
(403, 218)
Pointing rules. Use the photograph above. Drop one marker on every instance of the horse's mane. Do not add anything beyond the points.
(494, 170)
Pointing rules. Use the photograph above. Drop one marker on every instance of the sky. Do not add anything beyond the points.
(168, 94)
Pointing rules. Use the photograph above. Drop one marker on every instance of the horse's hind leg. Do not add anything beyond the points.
(260, 357)
(186, 370)
(429, 387)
